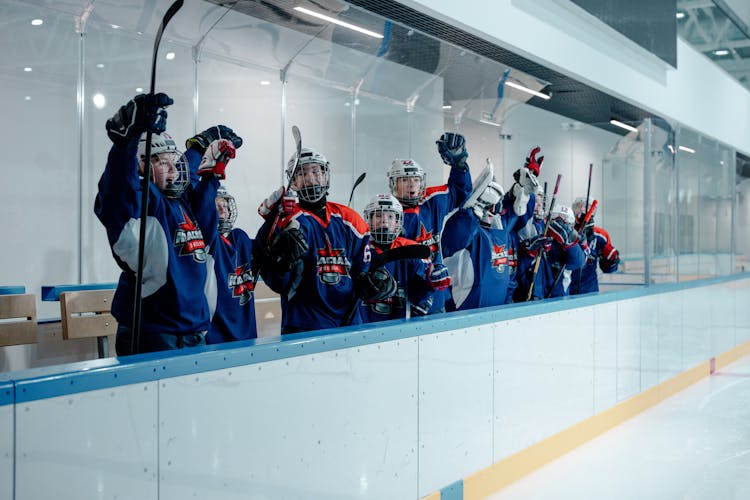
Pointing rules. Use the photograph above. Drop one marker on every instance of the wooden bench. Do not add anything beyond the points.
(18, 323)
(85, 314)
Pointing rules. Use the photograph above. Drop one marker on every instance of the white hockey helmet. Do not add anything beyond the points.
(486, 195)
(404, 168)
(580, 206)
(172, 183)
(563, 212)
(390, 215)
(310, 192)
(227, 207)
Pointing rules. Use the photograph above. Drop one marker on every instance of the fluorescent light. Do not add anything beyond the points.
(721, 52)
(169, 56)
(139, 89)
(680, 14)
(265, 82)
(618, 123)
(527, 90)
(27, 98)
(686, 149)
(115, 27)
(336, 21)
(100, 65)
(489, 122)
(99, 100)
(37, 22)
(671, 149)
(447, 106)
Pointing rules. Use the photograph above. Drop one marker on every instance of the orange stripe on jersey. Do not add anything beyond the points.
(350, 216)
(600, 231)
(434, 190)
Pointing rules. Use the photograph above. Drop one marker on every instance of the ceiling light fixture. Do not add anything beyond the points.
(265, 82)
(27, 69)
(488, 122)
(139, 89)
(336, 21)
(169, 56)
(618, 123)
(686, 149)
(527, 90)
(37, 22)
(680, 15)
(447, 106)
(99, 100)
(721, 52)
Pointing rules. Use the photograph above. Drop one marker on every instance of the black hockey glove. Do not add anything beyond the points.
(535, 244)
(452, 149)
(142, 113)
(375, 285)
(201, 141)
(287, 248)
(563, 233)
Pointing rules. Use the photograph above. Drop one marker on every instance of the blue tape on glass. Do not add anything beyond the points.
(52, 292)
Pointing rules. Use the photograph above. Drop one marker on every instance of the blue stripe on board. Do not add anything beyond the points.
(51, 293)
(12, 290)
(454, 491)
(47, 382)
(6, 393)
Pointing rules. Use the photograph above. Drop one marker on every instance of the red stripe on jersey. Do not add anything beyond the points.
(435, 190)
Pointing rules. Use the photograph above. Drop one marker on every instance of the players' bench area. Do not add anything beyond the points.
(85, 328)
(450, 406)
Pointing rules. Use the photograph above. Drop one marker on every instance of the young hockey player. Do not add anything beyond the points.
(384, 215)
(564, 255)
(174, 309)
(425, 208)
(318, 257)
(598, 249)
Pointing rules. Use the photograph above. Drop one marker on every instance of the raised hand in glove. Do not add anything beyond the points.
(142, 113)
(215, 159)
(375, 285)
(438, 277)
(533, 163)
(201, 141)
(563, 233)
(609, 258)
(452, 149)
(287, 248)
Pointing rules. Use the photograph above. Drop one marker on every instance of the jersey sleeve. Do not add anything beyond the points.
(459, 186)
(202, 199)
(457, 233)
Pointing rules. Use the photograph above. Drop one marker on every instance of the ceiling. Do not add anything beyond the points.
(719, 33)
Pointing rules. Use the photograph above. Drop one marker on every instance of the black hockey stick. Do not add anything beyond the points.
(298, 145)
(417, 251)
(356, 183)
(538, 257)
(136, 331)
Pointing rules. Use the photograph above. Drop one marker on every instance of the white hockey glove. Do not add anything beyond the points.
(215, 159)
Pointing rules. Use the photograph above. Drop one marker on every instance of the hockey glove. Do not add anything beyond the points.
(201, 141)
(438, 277)
(452, 149)
(526, 179)
(142, 113)
(609, 259)
(269, 206)
(534, 245)
(422, 308)
(375, 285)
(532, 163)
(287, 248)
(563, 233)
(215, 159)
(520, 199)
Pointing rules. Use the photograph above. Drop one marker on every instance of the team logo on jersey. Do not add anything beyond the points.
(427, 238)
(189, 238)
(499, 257)
(332, 264)
(241, 283)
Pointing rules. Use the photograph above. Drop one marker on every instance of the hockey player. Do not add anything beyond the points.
(475, 248)
(425, 208)
(384, 215)
(318, 257)
(563, 256)
(174, 309)
(598, 249)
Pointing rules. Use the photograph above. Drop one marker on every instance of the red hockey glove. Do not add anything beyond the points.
(609, 258)
(216, 157)
(532, 163)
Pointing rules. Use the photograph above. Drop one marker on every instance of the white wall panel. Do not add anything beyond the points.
(721, 318)
(696, 327)
(649, 324)
(455, 405)
(628, 348)
(6, 452)
(97, 444)
(742, 310)
(605, 356)
(669, 332)
(340, 424)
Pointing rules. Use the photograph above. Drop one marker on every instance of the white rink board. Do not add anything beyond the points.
(339, 424)
(455, 405)
(6, 452)
(605, 356)
(97, 444)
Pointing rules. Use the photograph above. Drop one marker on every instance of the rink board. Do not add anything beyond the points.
(395, 410)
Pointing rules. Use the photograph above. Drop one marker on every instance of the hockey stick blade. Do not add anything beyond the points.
(138, 295)
(356, 183)
(400, 253)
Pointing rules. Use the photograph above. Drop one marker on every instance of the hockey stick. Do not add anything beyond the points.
(356, 183)
(137, 301)
(584, 221)
(544, 197)
(538, 257)
(416, 251)
(284, 201)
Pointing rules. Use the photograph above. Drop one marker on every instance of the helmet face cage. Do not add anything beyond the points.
(226, 206)
(405, 169)
(309, 186)
(170, 171)
(385, 216)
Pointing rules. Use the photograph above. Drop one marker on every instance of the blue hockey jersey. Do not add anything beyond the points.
(599, 251)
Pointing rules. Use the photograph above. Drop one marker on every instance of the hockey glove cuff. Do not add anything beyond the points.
(215, 159)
